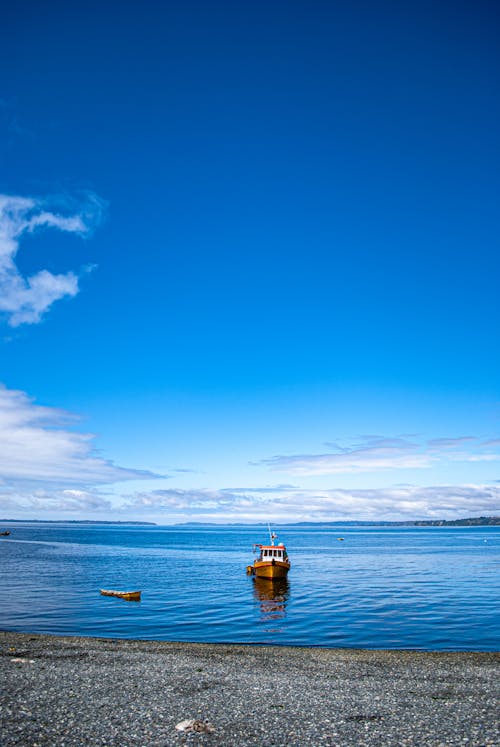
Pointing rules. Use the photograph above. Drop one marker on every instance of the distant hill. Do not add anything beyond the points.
(481, 521)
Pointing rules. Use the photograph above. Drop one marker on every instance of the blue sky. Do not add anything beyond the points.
(249, 261)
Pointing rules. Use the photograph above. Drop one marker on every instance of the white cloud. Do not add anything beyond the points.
(53, 502)
(464, 457)
(37, 448)
(377, 453)
(25, 300)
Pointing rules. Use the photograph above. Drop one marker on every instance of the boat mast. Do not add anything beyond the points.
(272, 535)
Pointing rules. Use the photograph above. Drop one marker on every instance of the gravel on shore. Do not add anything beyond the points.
(65, 692)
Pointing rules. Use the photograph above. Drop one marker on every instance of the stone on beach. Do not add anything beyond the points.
(195, 724)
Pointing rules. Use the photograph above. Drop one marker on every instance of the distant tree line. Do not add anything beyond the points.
(481, 521)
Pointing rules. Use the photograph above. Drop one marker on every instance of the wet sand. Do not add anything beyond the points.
(86, 691)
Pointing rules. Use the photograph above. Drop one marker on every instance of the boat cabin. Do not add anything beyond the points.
(273, 552)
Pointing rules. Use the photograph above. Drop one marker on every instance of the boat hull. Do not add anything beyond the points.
(129, 596)
(270, 569)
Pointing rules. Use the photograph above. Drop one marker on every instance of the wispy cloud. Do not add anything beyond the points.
(38, 449)
(25, 300)
(492, 442)
(377, 453)
(449, 443)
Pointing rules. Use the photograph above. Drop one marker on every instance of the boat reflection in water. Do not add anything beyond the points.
(272, 595)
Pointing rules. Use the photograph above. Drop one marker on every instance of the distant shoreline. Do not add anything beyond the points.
(78, 521)
(480, 521)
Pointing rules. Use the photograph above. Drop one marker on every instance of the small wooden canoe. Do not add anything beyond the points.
(130, 596)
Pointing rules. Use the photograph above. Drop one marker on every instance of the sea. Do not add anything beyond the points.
(350, 586)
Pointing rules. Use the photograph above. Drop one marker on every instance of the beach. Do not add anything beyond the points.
(89, 691)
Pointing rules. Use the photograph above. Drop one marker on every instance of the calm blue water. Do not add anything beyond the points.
(382, 587)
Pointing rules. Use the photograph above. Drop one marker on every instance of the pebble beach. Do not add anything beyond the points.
(66, 692)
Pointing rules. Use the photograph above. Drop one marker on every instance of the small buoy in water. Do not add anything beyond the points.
(249, 569)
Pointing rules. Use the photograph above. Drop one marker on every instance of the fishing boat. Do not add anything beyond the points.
(272, 561)
(130, 596)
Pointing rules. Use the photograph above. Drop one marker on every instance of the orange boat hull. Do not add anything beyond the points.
(270, 569)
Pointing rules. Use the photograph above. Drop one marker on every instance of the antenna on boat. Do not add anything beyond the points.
(272, 535)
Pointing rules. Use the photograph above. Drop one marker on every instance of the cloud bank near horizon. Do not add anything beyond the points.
(26, 300)
(251, 505)
(298, 504)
